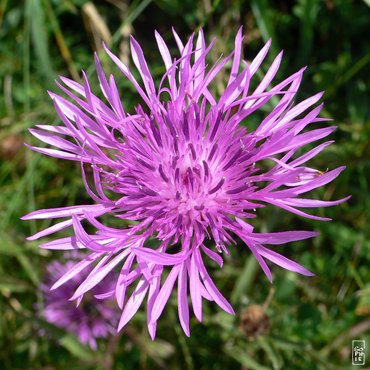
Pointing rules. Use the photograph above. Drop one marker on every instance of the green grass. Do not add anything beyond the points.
(313, 320)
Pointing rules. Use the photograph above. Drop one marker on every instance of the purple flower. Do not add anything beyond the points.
(93, 318)
(184, 170)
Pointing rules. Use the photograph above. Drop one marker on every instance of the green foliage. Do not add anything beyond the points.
(313, 320)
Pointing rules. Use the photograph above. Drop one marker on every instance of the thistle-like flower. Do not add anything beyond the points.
(184, 168)
(92, 319)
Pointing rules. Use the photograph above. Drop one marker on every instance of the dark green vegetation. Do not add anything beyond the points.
(312, 320)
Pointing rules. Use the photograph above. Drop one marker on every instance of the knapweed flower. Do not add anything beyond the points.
(184, 167)
(92, 318)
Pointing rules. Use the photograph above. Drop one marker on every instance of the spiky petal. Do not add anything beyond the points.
(92, 319)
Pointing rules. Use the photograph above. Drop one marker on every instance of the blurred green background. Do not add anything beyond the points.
(295, 323)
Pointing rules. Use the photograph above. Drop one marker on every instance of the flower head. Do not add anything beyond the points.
(184, 169)
(92, 319)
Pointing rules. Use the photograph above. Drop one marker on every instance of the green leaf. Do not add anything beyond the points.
(245, 359)
(276, 360)
(245, 280)
(12, 285)
(39, 31)
(76, 348)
